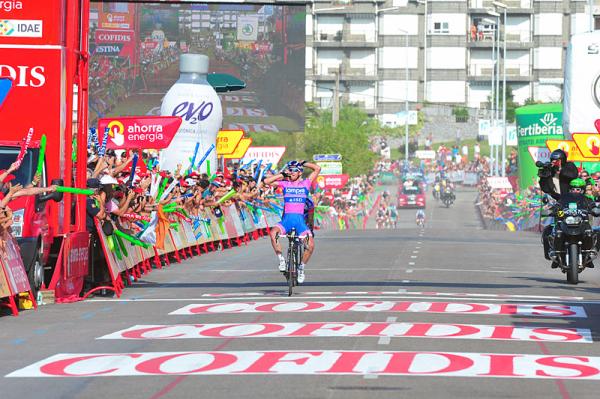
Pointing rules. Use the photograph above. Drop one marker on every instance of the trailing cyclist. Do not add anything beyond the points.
(296, 191)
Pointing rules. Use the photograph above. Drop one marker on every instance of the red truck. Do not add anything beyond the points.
(43, 49)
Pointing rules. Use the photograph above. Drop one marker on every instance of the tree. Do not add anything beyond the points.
(350, 138)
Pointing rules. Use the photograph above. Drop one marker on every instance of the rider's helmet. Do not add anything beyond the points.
(558, 157)
(577, 186)
(295, 167)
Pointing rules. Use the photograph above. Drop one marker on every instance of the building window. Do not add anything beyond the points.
(596, 22)
(440, 27)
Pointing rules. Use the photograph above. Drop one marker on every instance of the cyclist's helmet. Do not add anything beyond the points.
(294, 166)
(558, 155)
(577, 185)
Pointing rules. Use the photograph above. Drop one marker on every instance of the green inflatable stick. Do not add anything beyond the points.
(74, 190)
(122, 246)
(118, 251)
(40, 165)
(220, 222)
(131, 239)
(111, 243)
(224, 198)
(161, 188)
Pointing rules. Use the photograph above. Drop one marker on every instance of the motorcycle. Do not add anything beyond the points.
(573, 243)
(447, 197)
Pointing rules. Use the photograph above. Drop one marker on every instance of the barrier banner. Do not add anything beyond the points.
(228, 222)
(248, 221)
(235, 217)
(13, 266)
(471, 179)
(4, 288)
(13, 278)
(75, 254)
(189, 232)
(108, 246)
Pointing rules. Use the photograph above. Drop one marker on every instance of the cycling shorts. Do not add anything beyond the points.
(294, 221)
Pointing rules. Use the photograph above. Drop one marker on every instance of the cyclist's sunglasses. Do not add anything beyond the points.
(295, 169)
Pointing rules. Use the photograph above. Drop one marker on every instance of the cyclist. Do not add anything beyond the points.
(393, 216)
(420, 217)
(295, 193)
(381, 215)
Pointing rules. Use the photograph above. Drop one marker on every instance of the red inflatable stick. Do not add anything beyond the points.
(182, 216)
(135, 216)
(24, 146)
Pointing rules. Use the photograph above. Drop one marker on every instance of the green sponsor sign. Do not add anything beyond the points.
(330, 168)
(536, 124)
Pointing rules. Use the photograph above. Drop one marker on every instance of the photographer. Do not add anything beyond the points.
(557, 173)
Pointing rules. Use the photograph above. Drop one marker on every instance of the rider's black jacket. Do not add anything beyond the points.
(567, 173)
(581, 200)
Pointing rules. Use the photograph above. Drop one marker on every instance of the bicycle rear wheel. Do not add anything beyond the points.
(291, 270)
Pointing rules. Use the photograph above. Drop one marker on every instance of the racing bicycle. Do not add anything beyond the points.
(294, 259)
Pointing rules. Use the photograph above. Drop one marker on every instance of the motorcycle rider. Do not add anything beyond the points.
(576, 194)
(555, 178)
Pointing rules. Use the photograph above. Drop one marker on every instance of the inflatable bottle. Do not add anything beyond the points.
(197, 103)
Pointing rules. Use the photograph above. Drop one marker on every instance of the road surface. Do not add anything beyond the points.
(451, 311)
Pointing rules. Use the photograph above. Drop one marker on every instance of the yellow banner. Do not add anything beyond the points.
(568, 146)
(588, 144)
(241, 149)
(228, 140)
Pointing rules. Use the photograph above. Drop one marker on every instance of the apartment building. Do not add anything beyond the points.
(437, 51)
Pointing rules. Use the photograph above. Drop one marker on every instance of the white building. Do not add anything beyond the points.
(449, 53)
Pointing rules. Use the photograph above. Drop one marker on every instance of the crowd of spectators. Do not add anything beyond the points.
(135, 202)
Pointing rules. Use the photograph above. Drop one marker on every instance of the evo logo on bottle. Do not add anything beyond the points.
(192, 114)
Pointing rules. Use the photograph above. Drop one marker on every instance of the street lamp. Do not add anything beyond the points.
(503, 7)
(494, 91)
(426, 27)
(406, 78)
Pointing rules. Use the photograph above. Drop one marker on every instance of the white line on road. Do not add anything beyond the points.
(409, 270)
(359, 269)
(411, 263)
(286, 298)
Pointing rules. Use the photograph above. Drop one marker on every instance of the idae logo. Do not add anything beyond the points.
(547, 126)
(21, 28)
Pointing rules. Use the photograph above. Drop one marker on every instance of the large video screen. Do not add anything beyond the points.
(135, 49)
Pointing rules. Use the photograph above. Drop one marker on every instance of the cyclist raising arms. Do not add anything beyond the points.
(295, 194)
